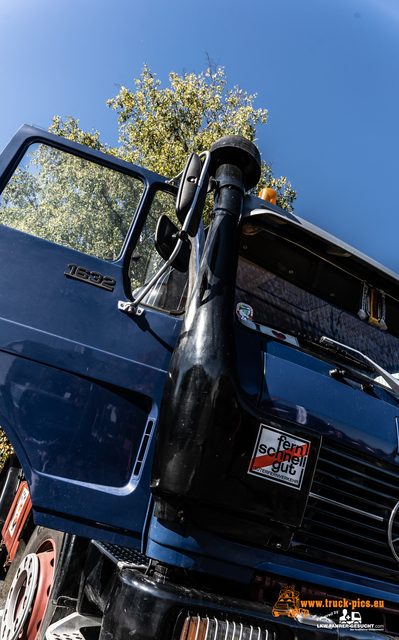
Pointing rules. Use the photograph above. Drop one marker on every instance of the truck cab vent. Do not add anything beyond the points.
(143, 448)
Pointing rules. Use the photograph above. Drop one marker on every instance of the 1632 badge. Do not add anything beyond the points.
(279, 456)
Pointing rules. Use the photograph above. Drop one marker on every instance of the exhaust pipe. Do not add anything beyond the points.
(206, 431)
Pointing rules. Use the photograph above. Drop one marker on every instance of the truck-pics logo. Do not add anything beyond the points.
(288, 604)
(279, 456)
(344, 615)
(350, 619)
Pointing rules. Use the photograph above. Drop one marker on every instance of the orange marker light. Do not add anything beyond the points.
(268, 194)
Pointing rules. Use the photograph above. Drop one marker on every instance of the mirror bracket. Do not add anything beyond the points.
(130, 308)
(181, 235)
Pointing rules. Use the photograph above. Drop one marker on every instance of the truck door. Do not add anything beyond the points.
(80, 380)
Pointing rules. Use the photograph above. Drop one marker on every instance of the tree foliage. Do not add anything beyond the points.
(159, 126)
(71, 201)
(5, 449)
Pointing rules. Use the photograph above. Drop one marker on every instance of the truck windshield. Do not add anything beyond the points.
(292, 291)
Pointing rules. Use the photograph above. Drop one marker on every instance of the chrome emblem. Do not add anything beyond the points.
(392, 541)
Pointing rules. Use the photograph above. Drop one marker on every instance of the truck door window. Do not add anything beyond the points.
(69, 200)
(170, 293)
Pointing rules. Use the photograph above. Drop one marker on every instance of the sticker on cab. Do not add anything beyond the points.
(244, 311)
(279, 456)
(21, 502)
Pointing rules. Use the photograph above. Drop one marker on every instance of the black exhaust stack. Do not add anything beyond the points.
(206, 431)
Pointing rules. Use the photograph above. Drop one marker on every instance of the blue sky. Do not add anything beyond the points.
(327, 71)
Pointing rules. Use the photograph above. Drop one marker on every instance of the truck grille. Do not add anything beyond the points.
(205, 628)
(347, 517)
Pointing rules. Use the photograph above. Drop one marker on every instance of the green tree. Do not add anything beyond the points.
(71, 201)
(5, 449)
(159, 126)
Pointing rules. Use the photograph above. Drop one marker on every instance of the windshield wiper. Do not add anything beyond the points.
(389, 379)
(339, 355)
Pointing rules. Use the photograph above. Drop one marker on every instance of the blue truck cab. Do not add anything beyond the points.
(201, 422)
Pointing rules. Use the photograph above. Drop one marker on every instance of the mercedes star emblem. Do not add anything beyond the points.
(391, 540)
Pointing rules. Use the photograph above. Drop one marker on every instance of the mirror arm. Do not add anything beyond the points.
(131, 307)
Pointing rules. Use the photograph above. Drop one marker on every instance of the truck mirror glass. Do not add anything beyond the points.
(165, 242)
(186, 194)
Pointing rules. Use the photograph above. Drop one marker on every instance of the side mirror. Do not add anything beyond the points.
(186, 194)
(168, 239)
(165, 242)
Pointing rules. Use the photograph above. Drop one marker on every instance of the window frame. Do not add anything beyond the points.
(154, 189)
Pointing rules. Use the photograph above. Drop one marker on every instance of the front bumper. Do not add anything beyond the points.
(144, 608)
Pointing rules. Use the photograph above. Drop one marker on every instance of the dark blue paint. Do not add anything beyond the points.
(79, 379)
(249, 352)
(299, 388)
(71, 427)
(201, 551)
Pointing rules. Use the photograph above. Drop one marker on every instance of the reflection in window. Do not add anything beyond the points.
(66, 199)
(283, 306)
(170, 292)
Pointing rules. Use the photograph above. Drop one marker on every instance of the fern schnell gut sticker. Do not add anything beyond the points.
(279, 456)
